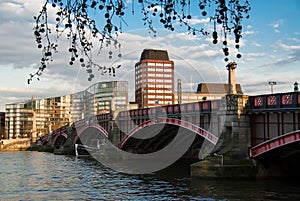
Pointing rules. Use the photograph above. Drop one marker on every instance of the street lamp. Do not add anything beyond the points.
(296, 87)
(272, 83)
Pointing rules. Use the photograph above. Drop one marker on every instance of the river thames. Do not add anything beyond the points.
(45, 176)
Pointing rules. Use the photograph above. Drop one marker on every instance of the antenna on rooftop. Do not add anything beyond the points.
(191, 83)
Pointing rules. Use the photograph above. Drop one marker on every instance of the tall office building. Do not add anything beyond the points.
(154, 79)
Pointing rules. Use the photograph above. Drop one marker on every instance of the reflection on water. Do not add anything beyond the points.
(45, 176)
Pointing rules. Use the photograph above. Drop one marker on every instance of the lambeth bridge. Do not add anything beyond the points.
(236, 136)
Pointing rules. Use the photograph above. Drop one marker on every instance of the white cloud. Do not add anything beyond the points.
(196, 21)
(157, 8)
(249, 32)
(276, 25)
(256, 44)
(289, 47)
(195, 57)
(293, 39)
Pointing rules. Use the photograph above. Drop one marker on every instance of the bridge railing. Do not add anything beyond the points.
(289, 100)
(59, 130)
(94, 119)
(204, 107)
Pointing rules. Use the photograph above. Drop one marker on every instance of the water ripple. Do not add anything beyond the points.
(45, 176)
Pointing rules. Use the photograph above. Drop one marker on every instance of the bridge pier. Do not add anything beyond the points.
(278, 167)
(229, 158)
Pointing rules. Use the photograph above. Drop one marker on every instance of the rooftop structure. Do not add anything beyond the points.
(216, 88)
(153, 54)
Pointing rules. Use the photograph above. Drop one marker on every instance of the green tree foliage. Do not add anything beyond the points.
(76, 20)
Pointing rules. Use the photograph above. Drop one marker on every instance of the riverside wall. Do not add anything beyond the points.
(21, 144)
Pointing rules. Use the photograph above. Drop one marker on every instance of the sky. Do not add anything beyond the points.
(270, 50)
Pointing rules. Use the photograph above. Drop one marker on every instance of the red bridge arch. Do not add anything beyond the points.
(93, 125)
(198, 130)
(63, 134)
(275, 143)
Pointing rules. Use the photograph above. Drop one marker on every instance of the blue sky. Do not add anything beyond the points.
(270, 51)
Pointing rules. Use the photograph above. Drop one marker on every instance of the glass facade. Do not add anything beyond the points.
(37, 117)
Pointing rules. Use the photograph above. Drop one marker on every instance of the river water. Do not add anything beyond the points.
(45, 176)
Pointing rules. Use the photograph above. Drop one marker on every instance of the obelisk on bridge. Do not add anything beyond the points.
(231, 77)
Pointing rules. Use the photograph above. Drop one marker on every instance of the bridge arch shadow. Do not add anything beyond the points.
(155, 135)
(59, 140)
(88, 134)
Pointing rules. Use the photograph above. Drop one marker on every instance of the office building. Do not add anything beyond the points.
(154, 79)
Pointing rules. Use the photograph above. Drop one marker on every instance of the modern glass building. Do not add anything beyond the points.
(37, 117)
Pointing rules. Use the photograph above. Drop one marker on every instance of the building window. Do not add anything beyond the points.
(151, 64)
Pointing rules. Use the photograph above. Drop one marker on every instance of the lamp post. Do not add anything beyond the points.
(272, 83)
(296, 87)
(222, 158)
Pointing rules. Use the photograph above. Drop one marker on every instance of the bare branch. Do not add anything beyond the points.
(74, 20)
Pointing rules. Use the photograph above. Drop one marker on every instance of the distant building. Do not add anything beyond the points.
(100, 98)
(216, 89)
(207, 91)
(19, 119)
(2, 125)
(34, 118)
(154, 79)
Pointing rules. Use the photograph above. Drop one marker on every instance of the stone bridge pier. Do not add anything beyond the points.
(230, 157)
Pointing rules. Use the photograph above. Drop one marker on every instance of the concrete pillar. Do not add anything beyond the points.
(231, 77)
(229, 158)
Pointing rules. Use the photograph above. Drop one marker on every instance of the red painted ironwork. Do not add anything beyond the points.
(287, 99)
(214, 105)
(170, 109)
(145, 111)
(274, 143)
(272, 100)
(176, 109)
(190, 107)
(182, 108)
(205, 105)
(258, 101)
